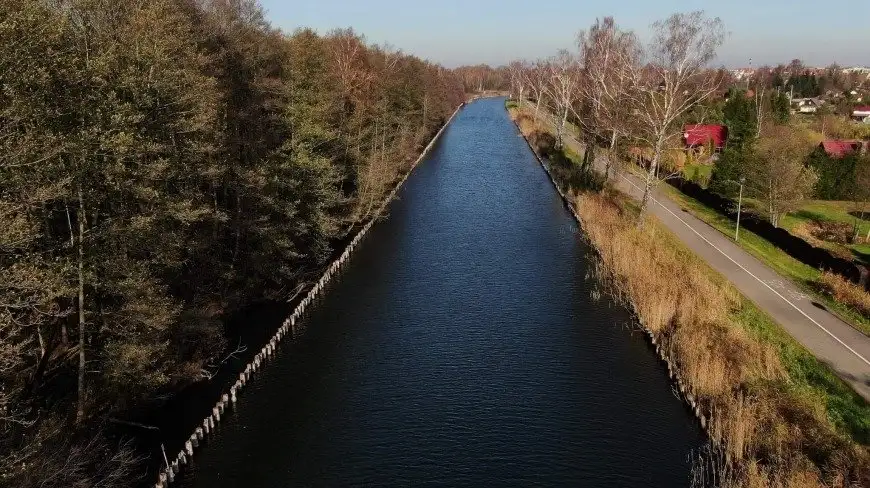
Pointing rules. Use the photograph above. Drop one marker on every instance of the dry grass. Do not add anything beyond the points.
(771, 435)
(846, 292)
(770, 405)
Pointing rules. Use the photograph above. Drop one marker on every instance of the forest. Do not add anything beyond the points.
(162, 164)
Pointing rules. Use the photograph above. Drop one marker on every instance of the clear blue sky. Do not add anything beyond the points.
(455, 32)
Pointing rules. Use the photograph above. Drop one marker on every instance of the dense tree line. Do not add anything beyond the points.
(162, 163)
(482, 77)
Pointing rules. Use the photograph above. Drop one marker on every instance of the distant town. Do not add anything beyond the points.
(834, 89)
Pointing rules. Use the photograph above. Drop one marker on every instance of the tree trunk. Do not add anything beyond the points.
(650, 179)
(561, 128)
(238, 238)
(647, 189)
(537, 108)
(588, 157)
(609, 163)
(80, 411)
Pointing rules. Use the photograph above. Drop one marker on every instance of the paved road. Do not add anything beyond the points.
(833, 341)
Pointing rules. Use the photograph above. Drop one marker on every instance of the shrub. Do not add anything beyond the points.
(845, 291)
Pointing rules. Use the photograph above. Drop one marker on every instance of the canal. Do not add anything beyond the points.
(460, 347)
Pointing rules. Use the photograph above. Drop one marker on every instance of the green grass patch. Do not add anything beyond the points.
(847, 410)
(803, 275)
(698, 173)
(808, 377)
(827, 211)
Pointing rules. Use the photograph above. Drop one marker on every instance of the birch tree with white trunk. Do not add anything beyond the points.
(518, 71)
(672, 79)
(563, 82)
(608, 53)
(537, 80)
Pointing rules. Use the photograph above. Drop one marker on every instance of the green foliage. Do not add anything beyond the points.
(739, 116)
(805, 85)
(729, 169)
(837, 176)
(208, 160)
(779, 108)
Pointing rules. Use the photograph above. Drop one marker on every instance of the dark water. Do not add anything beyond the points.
(460, 348)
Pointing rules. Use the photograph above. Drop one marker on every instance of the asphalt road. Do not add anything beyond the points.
(831, 340)
(843, 348)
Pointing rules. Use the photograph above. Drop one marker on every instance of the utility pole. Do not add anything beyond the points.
(749, 74)
(739, 208)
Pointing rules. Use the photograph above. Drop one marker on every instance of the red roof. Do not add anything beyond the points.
(700, 135)
(862, 108)
(838, 149)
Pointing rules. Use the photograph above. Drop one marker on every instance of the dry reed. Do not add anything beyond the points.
(845, 291)
(769, 435)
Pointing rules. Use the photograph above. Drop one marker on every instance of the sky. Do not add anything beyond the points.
(457, 32)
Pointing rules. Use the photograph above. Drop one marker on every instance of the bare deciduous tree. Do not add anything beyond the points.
(673, 79)
(607, 54)
(780, 180)
(563, 82)
(537, 78)
(519, 76)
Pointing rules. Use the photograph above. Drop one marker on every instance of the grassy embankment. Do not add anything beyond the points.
(782, 417)
(836, 212)
(821, 286)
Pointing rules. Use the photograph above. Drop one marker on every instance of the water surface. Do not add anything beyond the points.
(460, 347)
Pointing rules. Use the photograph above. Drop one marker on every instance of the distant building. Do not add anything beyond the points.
(862, 113)
(838, 148)
(743, 73)
(703, 135)
(861, 70)
(806, 105)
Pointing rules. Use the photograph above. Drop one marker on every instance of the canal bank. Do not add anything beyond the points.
(171, 468)
(774, 411)
(460, 347)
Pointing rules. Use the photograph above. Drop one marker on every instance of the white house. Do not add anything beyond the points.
(806, 105)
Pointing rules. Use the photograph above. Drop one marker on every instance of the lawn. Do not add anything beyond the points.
(698, 173)
(833, 211)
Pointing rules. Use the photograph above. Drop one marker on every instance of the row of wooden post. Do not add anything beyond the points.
(289, 328)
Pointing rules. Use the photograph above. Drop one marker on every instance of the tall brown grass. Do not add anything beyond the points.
(764, 433)
(845, 291)
(769, 435)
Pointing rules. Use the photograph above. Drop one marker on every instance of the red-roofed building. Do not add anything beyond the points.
(701, 135)
(839, 149)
